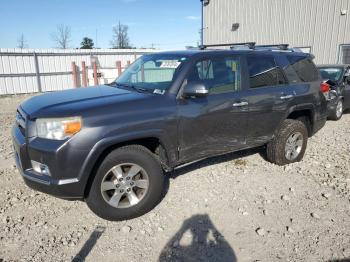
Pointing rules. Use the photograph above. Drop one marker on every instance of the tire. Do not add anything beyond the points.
(276, 150)
(337, 113)
(102, 194)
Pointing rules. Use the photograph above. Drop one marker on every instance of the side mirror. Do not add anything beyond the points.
(195, 89)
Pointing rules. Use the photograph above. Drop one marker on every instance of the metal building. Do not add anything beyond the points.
(321, 27)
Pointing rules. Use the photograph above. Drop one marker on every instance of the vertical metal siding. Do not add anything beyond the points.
(315, 23)
(21, 61)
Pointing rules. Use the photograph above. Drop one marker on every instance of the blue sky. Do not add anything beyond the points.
(168, 24)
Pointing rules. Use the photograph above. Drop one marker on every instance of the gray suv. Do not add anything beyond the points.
(111, 145)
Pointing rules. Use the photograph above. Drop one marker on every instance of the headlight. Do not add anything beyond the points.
(58, 128)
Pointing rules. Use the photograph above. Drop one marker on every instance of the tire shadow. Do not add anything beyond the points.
(197, 240)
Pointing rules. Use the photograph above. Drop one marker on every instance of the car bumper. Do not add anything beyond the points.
(60, 183)
(332, 105)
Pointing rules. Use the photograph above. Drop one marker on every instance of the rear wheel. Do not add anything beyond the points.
(128, 183)
(337, 113)
(289, 145)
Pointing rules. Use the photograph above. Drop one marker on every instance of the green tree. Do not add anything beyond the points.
(87, 43)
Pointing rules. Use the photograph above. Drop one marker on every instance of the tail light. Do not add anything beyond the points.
(324, 87)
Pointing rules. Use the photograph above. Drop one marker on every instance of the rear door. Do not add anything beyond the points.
(216, 123)
(269, 97)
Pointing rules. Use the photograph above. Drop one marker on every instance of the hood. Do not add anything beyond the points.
(72, 100)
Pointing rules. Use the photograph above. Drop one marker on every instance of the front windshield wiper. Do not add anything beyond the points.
(138, 89)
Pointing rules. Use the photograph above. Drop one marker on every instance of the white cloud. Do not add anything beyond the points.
(193, 17)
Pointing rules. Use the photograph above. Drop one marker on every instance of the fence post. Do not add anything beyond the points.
(83, 67)
(119, 67)
(74, 74)
(143, 73)
(36, 64)
(95, 73)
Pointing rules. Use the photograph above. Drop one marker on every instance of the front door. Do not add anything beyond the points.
(216, 123)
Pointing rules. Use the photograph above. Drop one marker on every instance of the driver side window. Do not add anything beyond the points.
(220, 75)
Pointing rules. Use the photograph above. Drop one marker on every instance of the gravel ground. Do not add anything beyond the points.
(236, 207)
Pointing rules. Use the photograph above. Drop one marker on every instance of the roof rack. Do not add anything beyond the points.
(250, 45)
(279, 46)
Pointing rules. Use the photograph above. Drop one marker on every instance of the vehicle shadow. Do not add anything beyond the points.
(197, 240)
(89, 244)
(217, 160)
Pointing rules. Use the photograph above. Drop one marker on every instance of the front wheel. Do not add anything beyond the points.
(337, 113)
(289, 144)
(128, 184)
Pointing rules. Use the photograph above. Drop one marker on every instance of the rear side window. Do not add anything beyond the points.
(303, 67)
(263, 71)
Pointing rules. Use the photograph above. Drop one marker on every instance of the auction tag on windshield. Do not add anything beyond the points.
(170, 64)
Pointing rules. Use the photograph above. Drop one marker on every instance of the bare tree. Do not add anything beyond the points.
(62, 36)
(21, 41)
(120, 36)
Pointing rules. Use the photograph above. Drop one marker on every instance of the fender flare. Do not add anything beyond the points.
(103, 144)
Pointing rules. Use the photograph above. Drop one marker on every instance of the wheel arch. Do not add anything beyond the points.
(306, 114)
(152, 142)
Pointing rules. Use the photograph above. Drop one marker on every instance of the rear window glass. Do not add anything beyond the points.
(331, 73)
(263, 71)
(303, 67)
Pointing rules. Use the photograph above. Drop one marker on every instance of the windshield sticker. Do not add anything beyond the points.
(170, 64)
(159, 91)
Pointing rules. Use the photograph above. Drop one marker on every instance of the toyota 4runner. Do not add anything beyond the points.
(110, 145)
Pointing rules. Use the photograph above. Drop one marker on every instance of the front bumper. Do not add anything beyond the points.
(65, 166)
(332, 105)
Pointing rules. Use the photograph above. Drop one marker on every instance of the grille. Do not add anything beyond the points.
(21, 120)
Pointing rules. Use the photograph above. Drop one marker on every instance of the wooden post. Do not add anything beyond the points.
(119, 67)
(84, 75)
(95, 73)
(75, 74)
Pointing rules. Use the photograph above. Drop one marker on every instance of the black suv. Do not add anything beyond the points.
(110, 145)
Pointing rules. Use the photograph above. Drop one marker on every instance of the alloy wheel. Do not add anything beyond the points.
(124, 185)
(294, 145)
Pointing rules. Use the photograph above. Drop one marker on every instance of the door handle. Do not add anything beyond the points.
(238, 104)
(286, 97)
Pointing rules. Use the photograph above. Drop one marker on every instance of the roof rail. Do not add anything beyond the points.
(250, 45)
(279, 46)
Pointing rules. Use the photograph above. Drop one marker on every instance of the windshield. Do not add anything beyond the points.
(154, 72)
(332, 73)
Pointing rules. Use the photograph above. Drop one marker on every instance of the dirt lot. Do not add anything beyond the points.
(236, 207)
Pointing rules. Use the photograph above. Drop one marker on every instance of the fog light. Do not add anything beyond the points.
(40, 168)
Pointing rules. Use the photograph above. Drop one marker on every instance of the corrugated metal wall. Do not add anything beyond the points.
(300, 23)
(18, 69)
